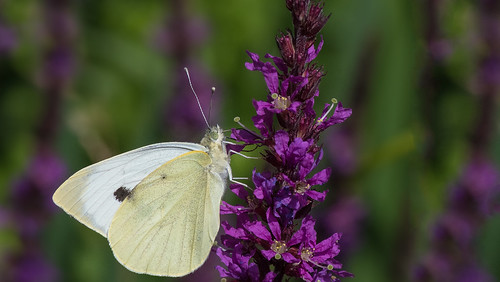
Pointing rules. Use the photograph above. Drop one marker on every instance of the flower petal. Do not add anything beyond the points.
(239, 190)
(244, 135)
(316, 195)
(320, 178)
(238, 233)
(273, 223)
(281, 139)
(269, 277)
(226, 208)
(267, 69)
(312, 52)
(327, 249)
(268, 254)
(259, 230)
(339, 116)
(306, 233)
(278, 62)
(264, 186)
(289, 258)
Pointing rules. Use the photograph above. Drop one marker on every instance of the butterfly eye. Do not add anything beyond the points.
(214, 135)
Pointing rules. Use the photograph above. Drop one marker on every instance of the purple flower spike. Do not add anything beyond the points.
(265, 245)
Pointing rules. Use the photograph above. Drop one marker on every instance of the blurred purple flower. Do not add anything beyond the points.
(440, 267)
(30, 204)
(182, 114)
(490, 71)
(343, 153)
(475, 196)
(178, 39)
(265, 244)
(31, 266)
(194, 31)
(8, 40)
(32, 194)
(477, 191)
(439, 49)
(452, 242)
(347, 215)
(59, 68)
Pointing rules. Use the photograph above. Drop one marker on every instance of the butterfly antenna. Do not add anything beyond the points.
(211, 100)
(196, 96)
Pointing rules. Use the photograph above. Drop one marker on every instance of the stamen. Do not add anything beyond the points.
(302, 187)
(237, 120)
(334, 101)
(306, 254)
(279, 247)
(280, 102)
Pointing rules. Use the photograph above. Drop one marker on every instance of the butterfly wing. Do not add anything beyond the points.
(168, 224)
(94, 194)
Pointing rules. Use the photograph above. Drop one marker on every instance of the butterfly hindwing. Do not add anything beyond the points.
(168, 224)
(94, 194)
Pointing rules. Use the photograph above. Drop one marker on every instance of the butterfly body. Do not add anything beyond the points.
(157, 205)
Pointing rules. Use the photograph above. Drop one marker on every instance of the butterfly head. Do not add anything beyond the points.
(213, 138)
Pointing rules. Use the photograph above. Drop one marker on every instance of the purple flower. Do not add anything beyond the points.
(339, 115)
(276, 247)
(238, 264)
(267, 69)
(314, 254)
(265, 243)
(264, 186)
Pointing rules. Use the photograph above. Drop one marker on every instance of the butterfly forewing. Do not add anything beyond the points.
(168, 223)
(94, 194)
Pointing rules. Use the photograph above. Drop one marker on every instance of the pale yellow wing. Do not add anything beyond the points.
(90, 195)
(168, 224)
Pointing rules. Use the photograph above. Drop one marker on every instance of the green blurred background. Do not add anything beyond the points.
(409, 70)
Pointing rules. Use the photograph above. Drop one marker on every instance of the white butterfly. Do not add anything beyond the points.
(157, 205)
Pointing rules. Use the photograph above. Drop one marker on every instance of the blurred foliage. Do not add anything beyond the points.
(118, 94)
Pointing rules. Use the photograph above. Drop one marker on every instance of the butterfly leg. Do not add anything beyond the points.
(240, 154)
(232, 179)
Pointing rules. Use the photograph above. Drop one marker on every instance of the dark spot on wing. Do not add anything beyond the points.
(163, 176)
(121, 193)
